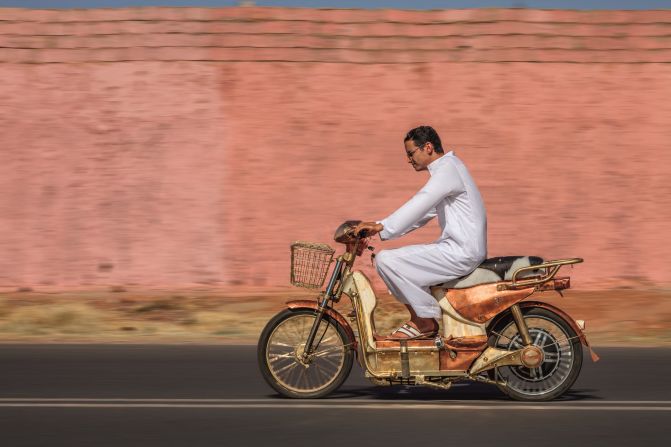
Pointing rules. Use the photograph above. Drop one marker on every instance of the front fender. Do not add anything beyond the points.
(307, 304)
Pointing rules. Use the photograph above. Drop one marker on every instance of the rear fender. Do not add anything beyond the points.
(561, 313)
(313, 305)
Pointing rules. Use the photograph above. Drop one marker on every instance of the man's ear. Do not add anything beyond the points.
(429, 148)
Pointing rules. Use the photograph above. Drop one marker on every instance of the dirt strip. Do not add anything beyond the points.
(616, 317)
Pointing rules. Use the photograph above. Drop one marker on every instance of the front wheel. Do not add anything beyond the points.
(562, 356)
(283, 366)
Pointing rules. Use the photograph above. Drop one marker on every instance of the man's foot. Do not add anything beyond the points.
(410, 331)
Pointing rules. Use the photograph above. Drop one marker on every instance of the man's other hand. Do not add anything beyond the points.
(372, 228)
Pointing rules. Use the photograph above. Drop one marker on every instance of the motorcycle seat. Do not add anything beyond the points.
(505, 266)
(494, 270)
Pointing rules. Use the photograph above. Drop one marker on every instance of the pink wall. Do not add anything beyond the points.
(166, 147)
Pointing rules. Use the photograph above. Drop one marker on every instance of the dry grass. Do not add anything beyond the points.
(68, 318)
(615, 317)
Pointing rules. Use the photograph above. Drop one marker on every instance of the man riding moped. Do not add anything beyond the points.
(491, 330)
(451, 195)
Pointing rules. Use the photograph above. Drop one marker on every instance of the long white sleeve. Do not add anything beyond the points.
(422, 206)
(419, 224)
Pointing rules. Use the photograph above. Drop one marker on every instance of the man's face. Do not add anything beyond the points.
(417, 156)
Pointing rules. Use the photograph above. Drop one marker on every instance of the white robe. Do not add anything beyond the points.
(451, 195)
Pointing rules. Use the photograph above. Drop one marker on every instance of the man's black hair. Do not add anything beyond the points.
(425, 134)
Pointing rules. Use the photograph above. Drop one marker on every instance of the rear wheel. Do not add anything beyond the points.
(280, 355)
(562, 356)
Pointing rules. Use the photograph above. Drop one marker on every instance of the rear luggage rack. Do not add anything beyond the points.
(542, 281)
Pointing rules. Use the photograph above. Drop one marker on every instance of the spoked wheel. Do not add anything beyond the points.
(562, 356)
(281, 348)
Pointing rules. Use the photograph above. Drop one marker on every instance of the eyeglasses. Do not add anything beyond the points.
(410, 154)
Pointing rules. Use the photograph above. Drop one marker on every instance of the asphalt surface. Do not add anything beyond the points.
(140, 395)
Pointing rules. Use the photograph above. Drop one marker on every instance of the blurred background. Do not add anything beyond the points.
(158, 157)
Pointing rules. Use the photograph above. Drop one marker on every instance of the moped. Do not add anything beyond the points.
(490, 331)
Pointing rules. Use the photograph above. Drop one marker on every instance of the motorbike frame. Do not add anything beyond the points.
(430, 362)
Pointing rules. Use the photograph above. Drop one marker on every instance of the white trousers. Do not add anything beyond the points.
(409, 271)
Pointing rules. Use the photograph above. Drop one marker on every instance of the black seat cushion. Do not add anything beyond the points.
(494, 270)
(502, 264)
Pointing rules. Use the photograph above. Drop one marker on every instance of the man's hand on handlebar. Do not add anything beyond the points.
(369, 229)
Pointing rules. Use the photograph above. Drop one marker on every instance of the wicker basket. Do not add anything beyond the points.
(310, 263)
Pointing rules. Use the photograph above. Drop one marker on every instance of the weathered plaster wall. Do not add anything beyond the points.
(170, 146)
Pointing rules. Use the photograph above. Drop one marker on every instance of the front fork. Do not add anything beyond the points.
(307, 351)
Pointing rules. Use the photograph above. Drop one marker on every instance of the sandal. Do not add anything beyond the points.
(411, 333)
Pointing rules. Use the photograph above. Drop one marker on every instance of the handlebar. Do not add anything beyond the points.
(360, 235)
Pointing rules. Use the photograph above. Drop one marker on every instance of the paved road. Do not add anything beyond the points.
(111, 395)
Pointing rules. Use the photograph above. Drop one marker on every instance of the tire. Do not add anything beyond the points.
(281, 344)
(562, 351)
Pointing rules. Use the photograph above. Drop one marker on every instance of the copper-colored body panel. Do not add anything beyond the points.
(307, 304)
(460, 353)
(461, 362)
(482, 303)
(555, 284)
(478, 342)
